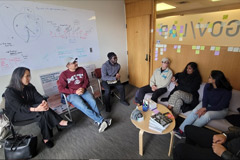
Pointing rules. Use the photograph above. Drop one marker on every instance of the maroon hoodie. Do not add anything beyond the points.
(69, 81)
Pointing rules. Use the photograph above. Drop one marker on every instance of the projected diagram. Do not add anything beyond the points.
(26, 25)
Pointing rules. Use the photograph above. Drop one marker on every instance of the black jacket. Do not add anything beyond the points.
(232, 145)
(189, 83)
(20, 102)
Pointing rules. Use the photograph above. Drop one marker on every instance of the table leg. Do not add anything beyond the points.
(141, 142)
(171, 143)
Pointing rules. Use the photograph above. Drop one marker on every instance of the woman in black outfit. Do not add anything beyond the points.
(23, 102)
(185, 95)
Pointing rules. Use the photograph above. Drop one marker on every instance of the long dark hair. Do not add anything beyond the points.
(220, 80)
(16, 79)
(194, 66)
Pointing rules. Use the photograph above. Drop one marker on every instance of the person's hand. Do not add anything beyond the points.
(80, 91)
(201, 112)
(42, 107)
(219, 138)
(118, 76)
(174, 80)
(154, 88)
(218, 149)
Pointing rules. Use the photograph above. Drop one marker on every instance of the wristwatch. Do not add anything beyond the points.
(224, 135)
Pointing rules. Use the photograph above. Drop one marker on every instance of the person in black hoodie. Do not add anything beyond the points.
(23, 102)
(203, 143)
(185, 95)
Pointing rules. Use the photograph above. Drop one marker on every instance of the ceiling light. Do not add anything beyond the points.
(164, 6)
(215, 0)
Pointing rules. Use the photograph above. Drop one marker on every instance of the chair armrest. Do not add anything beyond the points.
(91, 87)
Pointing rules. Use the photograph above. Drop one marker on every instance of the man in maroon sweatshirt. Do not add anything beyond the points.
(74, 82)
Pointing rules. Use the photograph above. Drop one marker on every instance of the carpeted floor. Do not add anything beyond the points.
(120, 141)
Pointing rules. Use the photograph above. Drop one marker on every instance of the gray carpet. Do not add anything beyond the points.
(120, 141)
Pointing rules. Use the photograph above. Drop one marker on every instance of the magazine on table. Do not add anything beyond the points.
(159, 122)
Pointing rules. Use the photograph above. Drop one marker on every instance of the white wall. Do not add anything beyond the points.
(111, 30)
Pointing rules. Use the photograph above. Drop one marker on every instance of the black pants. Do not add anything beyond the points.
(198, 145)
(47, 121)
(147, 89)
(107, 90)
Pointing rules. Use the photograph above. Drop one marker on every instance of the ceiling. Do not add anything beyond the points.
(196, 6)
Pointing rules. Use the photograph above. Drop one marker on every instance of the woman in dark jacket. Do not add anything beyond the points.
(23, 102)
(185, 94)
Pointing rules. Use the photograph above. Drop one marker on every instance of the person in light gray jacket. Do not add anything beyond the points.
(159, 82)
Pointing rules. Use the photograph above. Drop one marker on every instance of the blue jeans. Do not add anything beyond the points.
(93, 112)
(193, 118)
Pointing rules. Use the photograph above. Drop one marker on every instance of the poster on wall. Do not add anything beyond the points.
(216, 28)
(39, 36)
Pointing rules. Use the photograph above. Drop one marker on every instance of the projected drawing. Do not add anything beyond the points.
(27, 26)
(24, 24)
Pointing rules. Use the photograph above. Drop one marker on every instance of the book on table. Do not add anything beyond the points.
(159, 122)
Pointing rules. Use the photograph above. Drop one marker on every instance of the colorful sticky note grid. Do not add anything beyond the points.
(209, 29)
(202, 47)
(216, 53)
(225, 16)
(210, 25)
(212, 48)
(201, 19)
(230, 49)
(217, 49)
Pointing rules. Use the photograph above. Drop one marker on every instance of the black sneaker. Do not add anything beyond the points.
(49, 143)
(124, 103)
(180, 134)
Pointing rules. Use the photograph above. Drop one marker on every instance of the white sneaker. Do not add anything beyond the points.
(102, 126)
(109, 121)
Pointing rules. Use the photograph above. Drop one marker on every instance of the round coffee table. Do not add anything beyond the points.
(144, 127)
